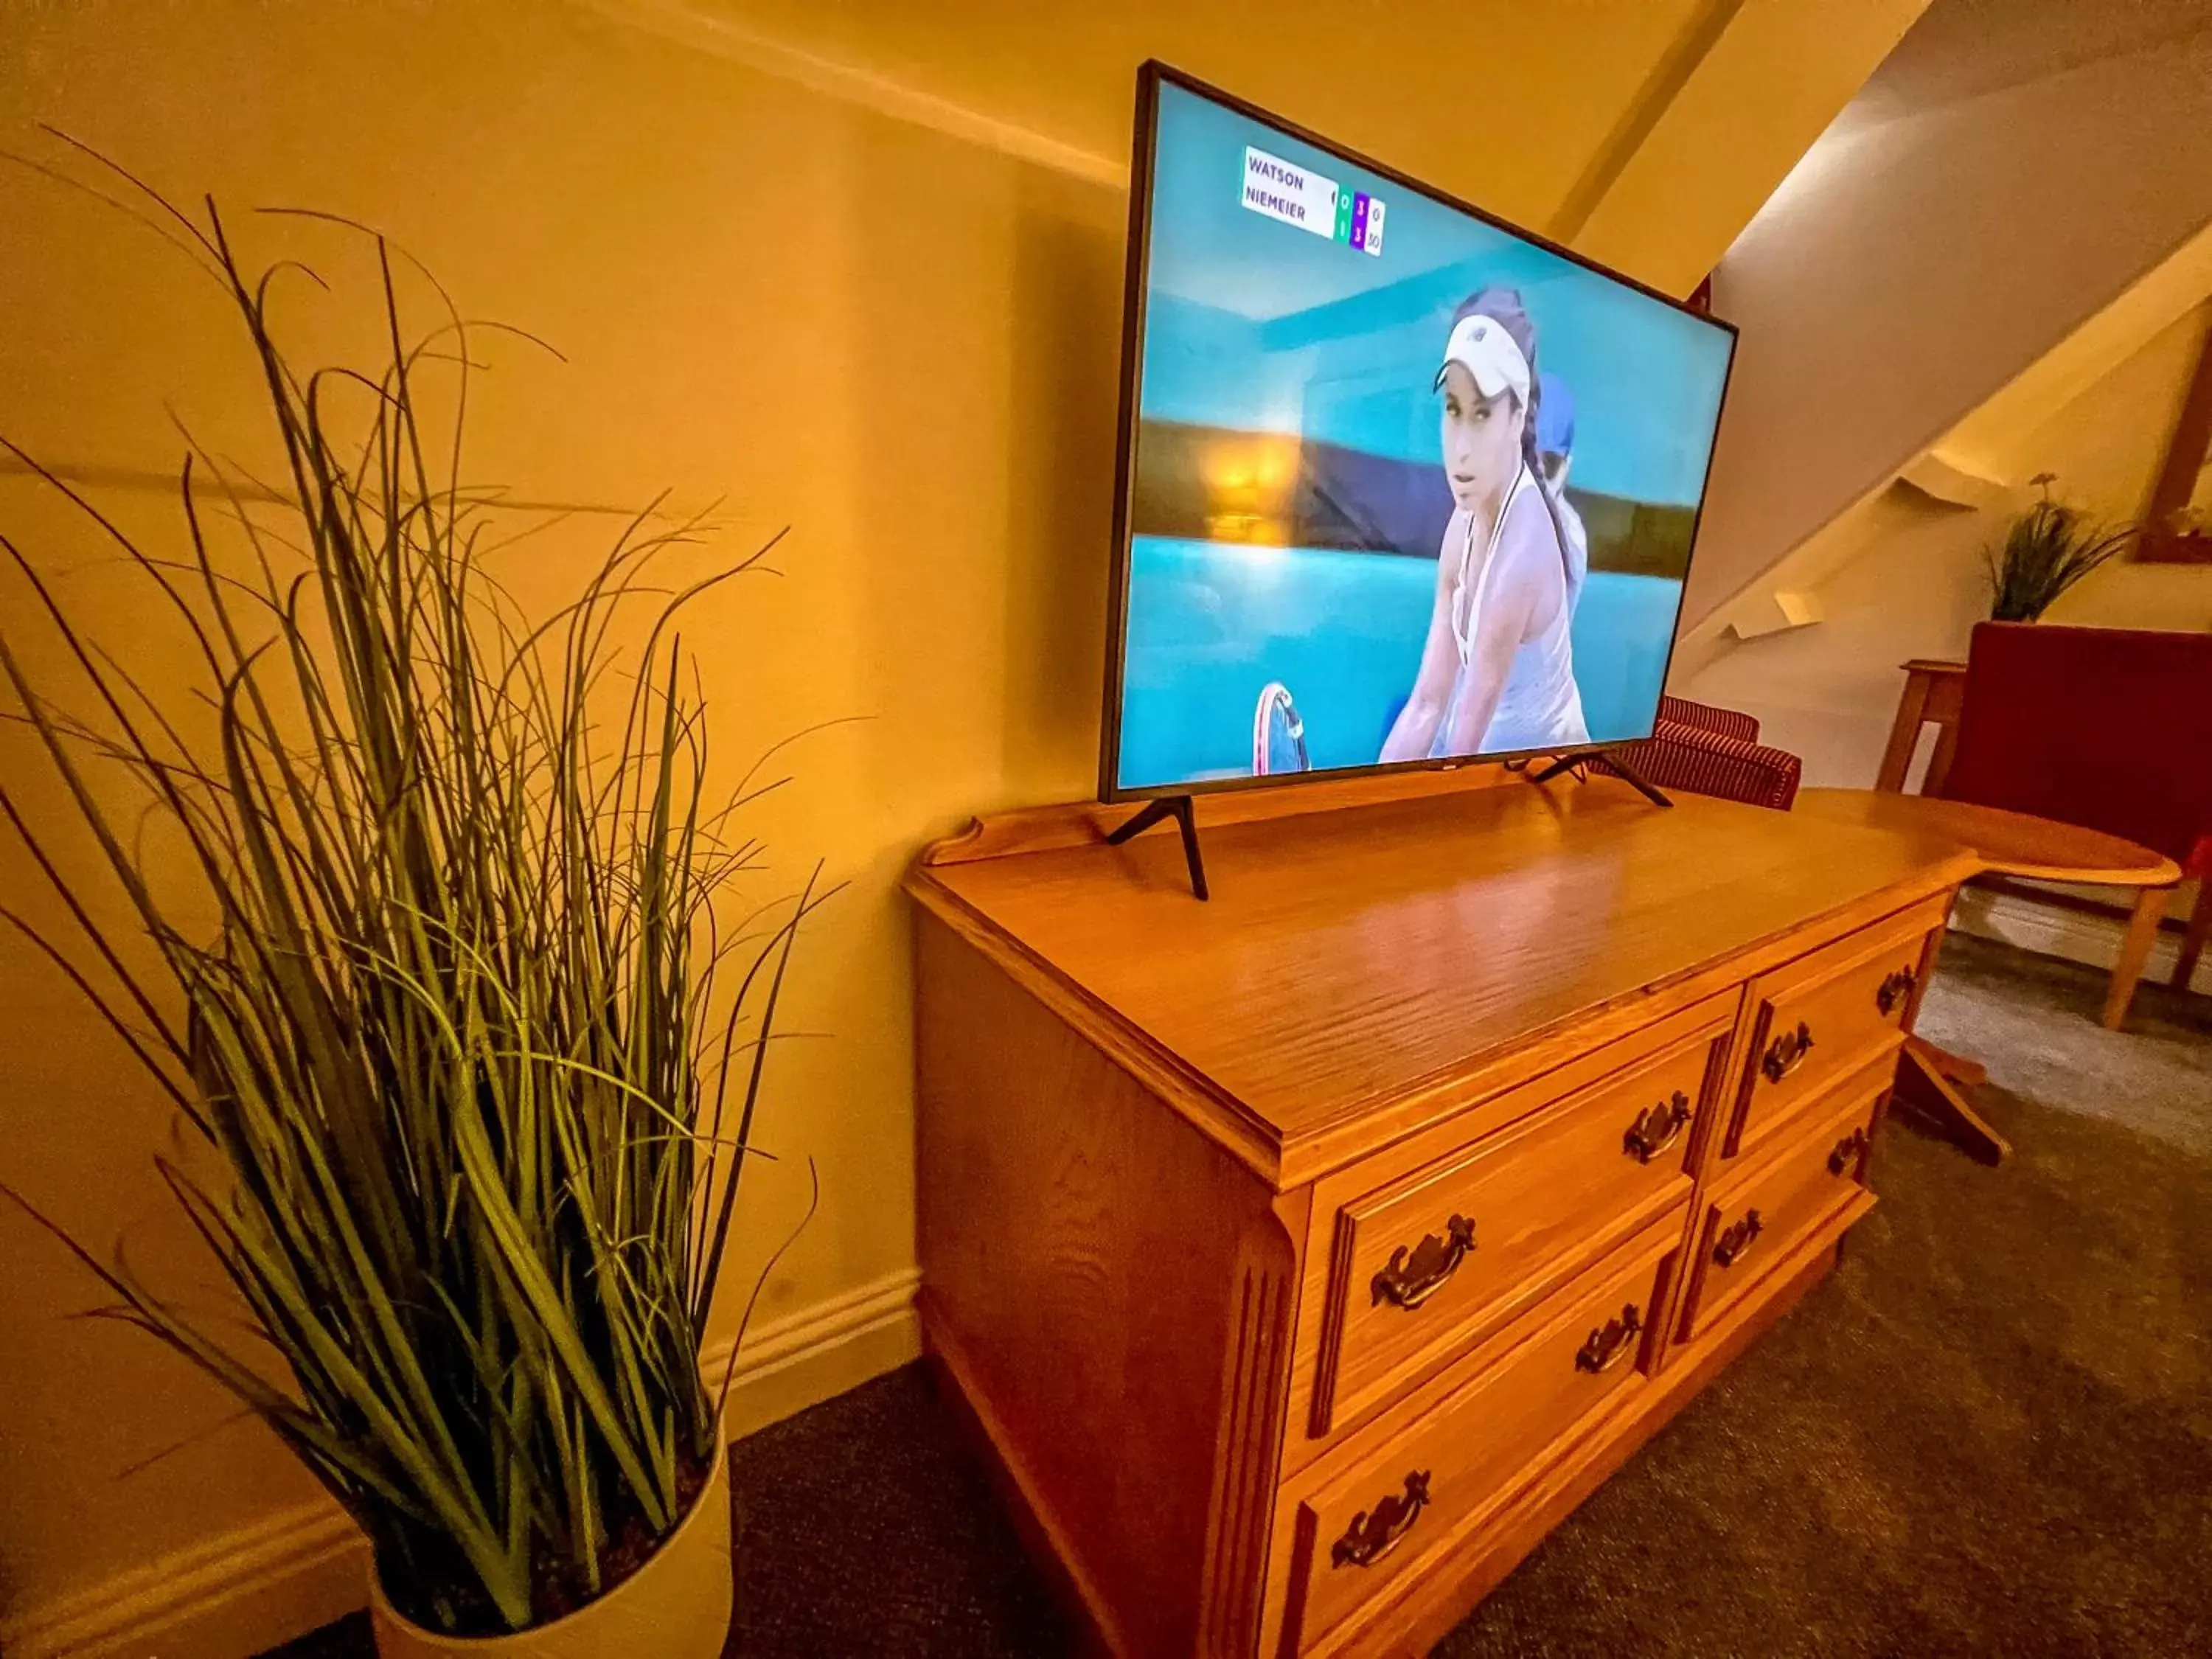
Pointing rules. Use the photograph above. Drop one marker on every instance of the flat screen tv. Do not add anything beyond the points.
(1400, 485)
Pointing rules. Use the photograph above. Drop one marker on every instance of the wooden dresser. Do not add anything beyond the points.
(1305, 1255)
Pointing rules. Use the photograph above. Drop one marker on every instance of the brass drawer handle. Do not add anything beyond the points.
(1896, 989)
(1375, 1533)
(1410, 1281)
(1848, 1152)
(1656, 1128)
(1735, 1242)
(1610, 1343)
(1787, 1052)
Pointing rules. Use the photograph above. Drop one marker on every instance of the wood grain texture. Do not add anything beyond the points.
(2005, 843)
(1098, 1626)
(1929, 1086)
(2194, 935)
(1469, 1450)
(1542, 1201)
(1216, 1114)
(2019, 844)
(1420, 1379)
(1448, 1587)
(1935, 692)
(1849, 1001)
(1932, 1082)
(1757, 1213)
(2135, 951)
(1168, 1149)
(1112, 1293)
(1087, 823)
(1245, 1458)
(1365, 968)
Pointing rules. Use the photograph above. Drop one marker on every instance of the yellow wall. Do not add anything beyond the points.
(1388, 80)
(901, 344)
(830, 296)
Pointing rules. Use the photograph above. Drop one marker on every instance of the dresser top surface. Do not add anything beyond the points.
(1348, 957)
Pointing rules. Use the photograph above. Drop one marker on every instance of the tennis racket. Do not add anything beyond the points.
(1278, 736)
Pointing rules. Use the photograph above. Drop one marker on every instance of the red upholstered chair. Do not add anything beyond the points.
(1714, 751)
(2107, 728)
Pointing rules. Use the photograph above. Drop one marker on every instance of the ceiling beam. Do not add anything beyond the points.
(1725, 116)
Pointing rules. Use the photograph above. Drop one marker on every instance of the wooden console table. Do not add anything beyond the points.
(1305, 1255)
(1935, 692)
(1932, 1080)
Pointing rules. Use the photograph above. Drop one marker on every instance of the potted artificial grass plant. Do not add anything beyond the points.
(2046, 550)
(467, 1062)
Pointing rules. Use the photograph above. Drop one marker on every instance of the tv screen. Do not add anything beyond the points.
(1400, 486)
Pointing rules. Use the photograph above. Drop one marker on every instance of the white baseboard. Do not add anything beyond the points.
(816, 1353)
(2049, 930)
(224, 1599)
(262, 1585)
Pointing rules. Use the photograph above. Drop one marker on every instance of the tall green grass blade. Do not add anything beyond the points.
(455, 1047)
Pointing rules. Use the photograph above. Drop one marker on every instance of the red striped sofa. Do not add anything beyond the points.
(1705, 750)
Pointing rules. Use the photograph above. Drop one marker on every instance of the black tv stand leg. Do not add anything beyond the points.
(1177, 807)
(1613, 763)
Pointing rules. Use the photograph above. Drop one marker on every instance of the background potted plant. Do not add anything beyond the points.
(468, 1060)
(2046, 550)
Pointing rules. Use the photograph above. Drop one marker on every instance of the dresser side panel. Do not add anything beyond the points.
(1113, 1292)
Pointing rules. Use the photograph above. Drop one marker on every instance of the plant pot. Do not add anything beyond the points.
(676, 1605)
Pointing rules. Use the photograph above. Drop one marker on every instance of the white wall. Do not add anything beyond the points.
(1911, 581)
(1909, 268)
(1826, 692)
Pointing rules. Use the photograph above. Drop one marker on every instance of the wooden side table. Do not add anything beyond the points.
(1934, 691)
(1930, 1079)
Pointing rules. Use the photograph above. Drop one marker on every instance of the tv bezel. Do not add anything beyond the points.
(1150, 75)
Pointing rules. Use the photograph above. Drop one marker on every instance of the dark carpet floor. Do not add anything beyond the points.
(1990, 1431)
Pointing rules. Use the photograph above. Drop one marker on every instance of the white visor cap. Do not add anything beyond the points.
(1481, 346)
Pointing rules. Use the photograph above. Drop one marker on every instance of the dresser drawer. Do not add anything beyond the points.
(1429, 1265)
(1758, 1213)
(1431, 1482)
(1825, 1016)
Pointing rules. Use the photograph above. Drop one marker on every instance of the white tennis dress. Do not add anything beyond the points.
(1541, 705)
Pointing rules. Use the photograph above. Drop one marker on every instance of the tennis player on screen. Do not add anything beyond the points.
(1498, 672)
(1555, 453)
